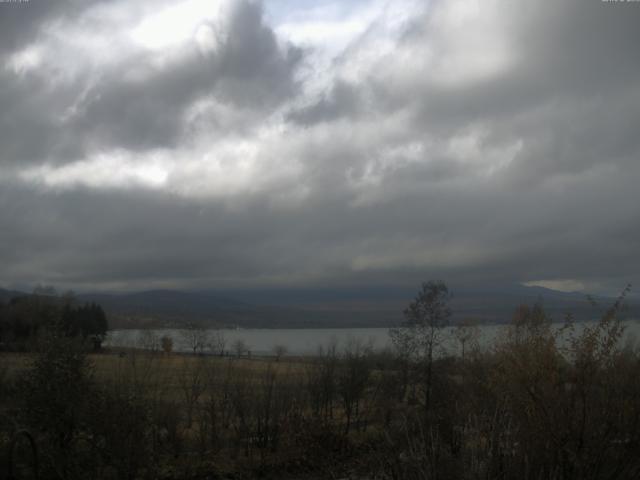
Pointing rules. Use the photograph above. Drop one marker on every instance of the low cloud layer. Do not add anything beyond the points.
(192, 143)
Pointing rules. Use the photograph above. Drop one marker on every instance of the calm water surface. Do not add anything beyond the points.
(261, 341)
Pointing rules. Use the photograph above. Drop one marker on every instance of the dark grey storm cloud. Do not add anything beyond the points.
(137, 104)
(249, 70)
(475, 143)
(20, 22)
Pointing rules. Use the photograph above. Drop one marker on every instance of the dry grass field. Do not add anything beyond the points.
(168, 372)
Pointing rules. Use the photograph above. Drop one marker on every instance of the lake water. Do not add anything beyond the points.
(261, 341)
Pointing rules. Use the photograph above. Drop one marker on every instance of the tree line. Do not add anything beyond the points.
(25, 317)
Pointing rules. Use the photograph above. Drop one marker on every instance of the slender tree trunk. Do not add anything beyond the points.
(427, 402)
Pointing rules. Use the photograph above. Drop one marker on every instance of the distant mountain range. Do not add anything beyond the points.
(307, 308)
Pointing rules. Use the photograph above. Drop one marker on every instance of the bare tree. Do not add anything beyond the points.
(353, 379)
(148, 340)
(405, 350)
(240, 347)
(279, 351)
(421, 333)
(466, 332)
(271, 403)
(218, 342)
(192, 379)
(321, 381)
(195, 336)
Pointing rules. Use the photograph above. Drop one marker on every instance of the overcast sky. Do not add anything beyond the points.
(223, 144)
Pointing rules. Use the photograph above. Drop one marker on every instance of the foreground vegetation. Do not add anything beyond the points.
(530, 407)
